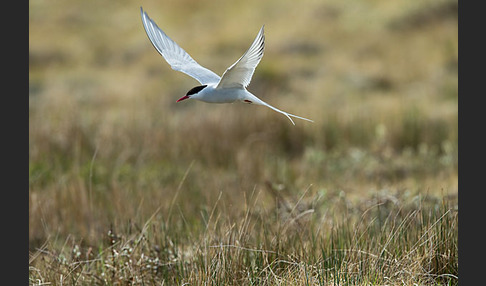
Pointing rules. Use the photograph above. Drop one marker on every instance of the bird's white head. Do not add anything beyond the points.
(193, 92)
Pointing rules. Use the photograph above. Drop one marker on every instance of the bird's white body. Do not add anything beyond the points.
(212, 94)
(231, 87)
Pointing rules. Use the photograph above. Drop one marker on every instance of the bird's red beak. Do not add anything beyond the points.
(182, 98)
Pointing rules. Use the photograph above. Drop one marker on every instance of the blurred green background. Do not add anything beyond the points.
(108, 143)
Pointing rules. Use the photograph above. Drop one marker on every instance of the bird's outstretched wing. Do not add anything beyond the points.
(240, 73)
(177, 58)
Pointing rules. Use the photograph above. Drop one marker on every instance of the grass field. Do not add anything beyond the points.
(126, 187)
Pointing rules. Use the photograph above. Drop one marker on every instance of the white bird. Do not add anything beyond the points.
(231, 87)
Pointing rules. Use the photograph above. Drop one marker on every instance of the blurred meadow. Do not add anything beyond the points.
(126, 187)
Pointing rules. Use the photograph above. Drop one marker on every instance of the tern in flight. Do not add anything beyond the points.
(231, 87)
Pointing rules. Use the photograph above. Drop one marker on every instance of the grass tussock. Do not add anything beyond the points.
(126, 187)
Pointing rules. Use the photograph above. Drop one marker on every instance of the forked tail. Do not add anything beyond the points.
(261, 102)
(289, 115)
